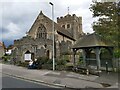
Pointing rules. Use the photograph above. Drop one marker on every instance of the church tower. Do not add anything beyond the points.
(71, 23)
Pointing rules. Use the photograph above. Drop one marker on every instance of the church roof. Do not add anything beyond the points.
(61, 30)
(92, 40)
(64, 32)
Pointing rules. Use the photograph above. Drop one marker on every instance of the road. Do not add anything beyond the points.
(61, 79)
(12, 83)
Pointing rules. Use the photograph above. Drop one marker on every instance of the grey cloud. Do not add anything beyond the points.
(4, 30)
(23, 14)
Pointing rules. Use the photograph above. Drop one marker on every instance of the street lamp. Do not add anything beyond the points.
(53, 35)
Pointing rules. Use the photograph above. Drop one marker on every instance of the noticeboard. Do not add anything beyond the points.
(27, 57)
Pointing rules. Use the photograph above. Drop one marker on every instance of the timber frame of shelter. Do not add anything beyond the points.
(93, 43)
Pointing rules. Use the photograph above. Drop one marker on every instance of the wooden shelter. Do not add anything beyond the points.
(92, 43)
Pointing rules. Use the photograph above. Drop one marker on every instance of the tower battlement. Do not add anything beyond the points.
(68, 17)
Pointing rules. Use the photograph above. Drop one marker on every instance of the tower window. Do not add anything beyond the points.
(63, 26)
(68, 26)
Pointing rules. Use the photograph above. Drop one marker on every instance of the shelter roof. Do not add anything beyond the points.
(92, 40)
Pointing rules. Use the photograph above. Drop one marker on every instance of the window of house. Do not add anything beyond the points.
(42, 32)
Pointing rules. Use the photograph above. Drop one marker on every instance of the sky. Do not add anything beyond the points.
(17, 16)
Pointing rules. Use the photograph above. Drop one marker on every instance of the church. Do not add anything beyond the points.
(39, 39)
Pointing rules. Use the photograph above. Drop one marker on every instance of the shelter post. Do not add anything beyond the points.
(97, 52)
(111, 49)
(84, 57)
(74, 53)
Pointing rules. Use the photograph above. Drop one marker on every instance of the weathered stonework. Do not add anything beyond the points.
(72, 24)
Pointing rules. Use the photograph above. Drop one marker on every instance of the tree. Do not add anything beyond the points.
(108, 24)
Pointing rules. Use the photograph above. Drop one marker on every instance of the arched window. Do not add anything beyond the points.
(42, 32)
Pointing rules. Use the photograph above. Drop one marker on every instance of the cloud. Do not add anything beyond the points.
(19, 15)
(4, 30)
(83, 11)
(13, 28)
(12, 31)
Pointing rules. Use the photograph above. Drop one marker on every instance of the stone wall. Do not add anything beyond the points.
(65, 47)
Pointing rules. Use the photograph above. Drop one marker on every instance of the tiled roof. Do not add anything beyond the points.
(2, 45)
(11, 47)
(92, 40)
(64, 32)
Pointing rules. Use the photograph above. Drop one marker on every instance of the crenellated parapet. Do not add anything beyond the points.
(69, 17)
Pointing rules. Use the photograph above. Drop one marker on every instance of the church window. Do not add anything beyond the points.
(42, 32)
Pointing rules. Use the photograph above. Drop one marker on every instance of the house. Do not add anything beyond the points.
(2, 49)
(9, 50)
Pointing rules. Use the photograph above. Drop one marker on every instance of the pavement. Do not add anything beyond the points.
(63, 78)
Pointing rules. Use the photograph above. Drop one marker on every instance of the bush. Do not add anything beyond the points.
(47, 66)
(46, 63)
(6, 58)
(24, 64)
(80, 61)
(50, 61)
(60, 67)
(42, 60)
(117, 54)
(61, 62)
(69, 67)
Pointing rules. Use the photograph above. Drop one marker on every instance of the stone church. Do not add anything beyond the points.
(39, 39)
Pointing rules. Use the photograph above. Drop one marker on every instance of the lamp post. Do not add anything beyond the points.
(53, 35)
